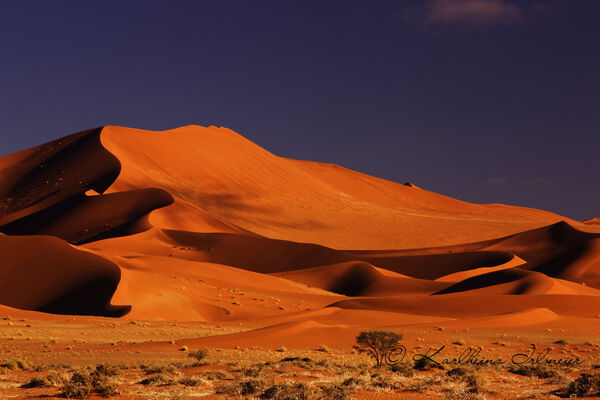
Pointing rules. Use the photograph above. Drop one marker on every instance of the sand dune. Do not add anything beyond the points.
(201, 224)
(221, 172)
(356, 278)
(592, 221)
(45, 274)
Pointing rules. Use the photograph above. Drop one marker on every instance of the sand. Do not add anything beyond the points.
(200, 224)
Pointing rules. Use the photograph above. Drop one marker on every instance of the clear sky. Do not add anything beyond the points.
(484, 100)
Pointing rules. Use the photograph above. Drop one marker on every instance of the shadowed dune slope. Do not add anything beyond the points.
(43, 273)
(356, 278)
(462, 306)
(43, 191)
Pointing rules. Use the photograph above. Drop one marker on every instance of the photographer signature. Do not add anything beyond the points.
(473, 356)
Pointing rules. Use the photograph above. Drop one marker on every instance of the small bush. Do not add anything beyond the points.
(107, 370)
(158, 380)
(290, 391)
(381, 381)
(169, 369)
(403, 369)
(15, 364)
(323, 348)
(355, 383)
(586, 385)
(55, 379)
(190, 381)
(472, 378)
(425, 364)
(241, 387)
(539, 371)
(34, 383)
(334, 392)
(78, 387)
(252, 372)
(105, 387)
(290, 359)
(100, 381)
(198, 354)
(217, 375)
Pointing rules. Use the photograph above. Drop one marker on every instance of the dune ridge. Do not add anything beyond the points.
(199, 223)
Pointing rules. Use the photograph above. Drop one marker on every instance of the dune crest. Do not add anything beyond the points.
(199, 223)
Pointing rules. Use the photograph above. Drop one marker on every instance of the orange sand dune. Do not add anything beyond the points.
(459, 305)
(592, 221)
(355, 278)
(221, 172)
(45, 274)
(201, 224)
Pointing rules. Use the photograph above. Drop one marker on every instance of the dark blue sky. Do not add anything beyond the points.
(483, 100)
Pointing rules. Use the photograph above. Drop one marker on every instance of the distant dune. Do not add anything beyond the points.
(201, 224)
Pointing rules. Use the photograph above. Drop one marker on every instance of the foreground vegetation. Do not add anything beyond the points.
(291, 378)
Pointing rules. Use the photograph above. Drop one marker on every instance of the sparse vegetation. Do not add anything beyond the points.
(472, 378)
(539, 371)
(191, 381)
(403, 369)
(101, 381)
(34, 383)
(241, 387)
(586, 385)
(16, 364)
(162, 379)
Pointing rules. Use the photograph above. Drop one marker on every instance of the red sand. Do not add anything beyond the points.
(200, 224)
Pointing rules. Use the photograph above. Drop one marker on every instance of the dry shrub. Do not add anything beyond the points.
(198, 354)
(586, 385)
(191, 381)
(403, 369)
(34, 383)
(101, 381)
(355, 383)
(303, 391)
(78, 387)
(474, 381)
(290, 391)
(241, 387)
(161, 379)
(252, 372)
(15, 364)
(217, 376)
(539, 371)
(158, 369)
